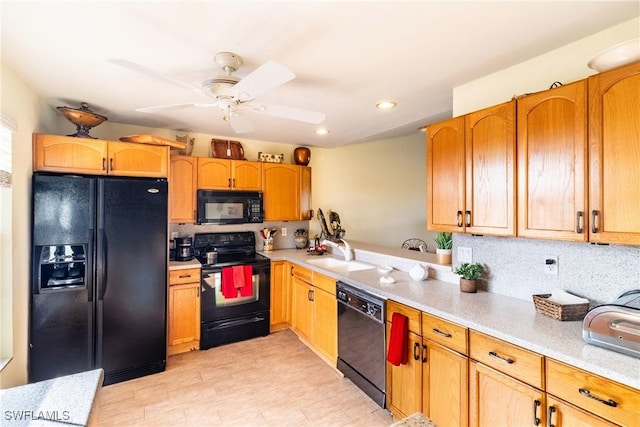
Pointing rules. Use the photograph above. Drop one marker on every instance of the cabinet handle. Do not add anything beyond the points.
(310, 295)
(291, 271)
(587, 393)
(416, 351)
(198, 292)
(439, 332)
(104, 163)
(550, 412)
(111, 163)
(229, 184)
(579, 227)
(595, 214)
(459, 218)
(467, 218)
(233, 185)
(184, 276)
(504, 359)
(536, 420)
(424, 353)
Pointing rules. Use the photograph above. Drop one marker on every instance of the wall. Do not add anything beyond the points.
(600, 273)
(21, 104)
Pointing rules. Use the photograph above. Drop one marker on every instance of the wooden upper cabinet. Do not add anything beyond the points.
(183, 183)
(445, 175)
(306, 212)
(614, 155)
(224, 174)
(128, 159)
(552, 173)
(56, 153)
(281, 186)
(490, 150)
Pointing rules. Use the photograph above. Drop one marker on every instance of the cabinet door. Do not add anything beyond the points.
(614, 155)
(404, 382)
(55, 153)
(303, 309)
(445, 385)
(281, 192)
(496, 399)
(552, 173)
(247, 176)
(306, 212)
(214, 174)
(279, 316)
(445, 176)
(561, 414)
(129, 159)
(184, 313)
(490, 150)
(183, 176)
(325, 331)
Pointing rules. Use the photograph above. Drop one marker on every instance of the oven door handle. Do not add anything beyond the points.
(235, 322)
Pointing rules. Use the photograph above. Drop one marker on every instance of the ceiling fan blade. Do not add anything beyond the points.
(293, 113)
(240, 123)
(173, 107)
(154, 74)
(266, 77)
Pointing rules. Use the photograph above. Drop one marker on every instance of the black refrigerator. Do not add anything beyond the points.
(99, 277)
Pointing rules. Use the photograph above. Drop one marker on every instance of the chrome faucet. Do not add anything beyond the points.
(346, 249)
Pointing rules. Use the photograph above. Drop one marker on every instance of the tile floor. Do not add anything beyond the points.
(268, 381)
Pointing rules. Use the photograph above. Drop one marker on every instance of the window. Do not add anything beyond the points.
(7, 127)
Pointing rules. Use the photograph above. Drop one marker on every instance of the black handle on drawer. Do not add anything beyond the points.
(504, 359)
(587, 393)
(550, 412)
(536, 420)
(439, 332)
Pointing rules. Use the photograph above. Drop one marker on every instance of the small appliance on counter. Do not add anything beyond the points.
(184, 248)
(615, 326)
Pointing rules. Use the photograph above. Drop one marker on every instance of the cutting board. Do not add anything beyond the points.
(153, 140)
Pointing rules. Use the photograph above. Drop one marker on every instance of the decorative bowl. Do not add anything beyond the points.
(616, 56)
(83, 118)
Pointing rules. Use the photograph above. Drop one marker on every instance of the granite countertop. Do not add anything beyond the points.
(183, 265)
(511, 319)
(67, 400)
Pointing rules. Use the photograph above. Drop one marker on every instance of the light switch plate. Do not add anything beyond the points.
(284, 231)
(465, 254)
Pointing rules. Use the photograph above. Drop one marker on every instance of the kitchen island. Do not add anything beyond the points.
(507, 318)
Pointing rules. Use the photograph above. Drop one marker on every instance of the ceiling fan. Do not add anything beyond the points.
(233, 94)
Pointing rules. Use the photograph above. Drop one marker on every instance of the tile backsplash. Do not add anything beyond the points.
(515, 267)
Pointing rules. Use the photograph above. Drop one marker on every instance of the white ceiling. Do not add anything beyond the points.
(346, 55)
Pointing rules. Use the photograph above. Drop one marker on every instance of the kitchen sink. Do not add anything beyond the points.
(339, 265)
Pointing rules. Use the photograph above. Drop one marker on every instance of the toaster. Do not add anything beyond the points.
(615, 326)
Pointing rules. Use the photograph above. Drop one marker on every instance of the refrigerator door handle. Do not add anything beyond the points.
(103, 263)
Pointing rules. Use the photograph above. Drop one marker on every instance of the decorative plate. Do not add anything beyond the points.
(270, 158)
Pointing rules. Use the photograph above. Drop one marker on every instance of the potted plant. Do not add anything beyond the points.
(444, 242)
(469, 273)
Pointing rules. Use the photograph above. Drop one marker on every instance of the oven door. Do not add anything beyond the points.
(215, 306)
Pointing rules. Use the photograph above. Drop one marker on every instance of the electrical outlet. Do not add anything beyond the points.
(551, 265)
(284, 232)
(465, 254)
(174, 234)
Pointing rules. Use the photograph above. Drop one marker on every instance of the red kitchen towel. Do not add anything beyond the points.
(398, 353)
(228, 287)
(238, 276)
(247, 289)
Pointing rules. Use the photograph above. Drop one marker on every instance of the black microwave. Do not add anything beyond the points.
(229, 207)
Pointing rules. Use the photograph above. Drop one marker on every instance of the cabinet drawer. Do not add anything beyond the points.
(412, 313)
(446, 333)
(514, 361)
(593, 393)
(325, 283)
(190, 275)
(302, 273)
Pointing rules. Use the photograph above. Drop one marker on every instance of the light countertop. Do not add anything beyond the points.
(511, 319)
(67, 400)
(183, 265)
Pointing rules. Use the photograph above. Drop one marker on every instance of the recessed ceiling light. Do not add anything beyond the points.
(385, 105)
(322, 131)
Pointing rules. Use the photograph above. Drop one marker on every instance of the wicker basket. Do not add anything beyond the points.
(559, 311)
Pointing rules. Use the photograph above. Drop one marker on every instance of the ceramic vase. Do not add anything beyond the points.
(302, 156)
(468, 286)
(443, 256)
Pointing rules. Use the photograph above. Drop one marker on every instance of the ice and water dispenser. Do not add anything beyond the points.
(62, 267)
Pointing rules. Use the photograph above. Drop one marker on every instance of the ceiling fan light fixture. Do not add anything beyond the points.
(386, 105)
(220, 86)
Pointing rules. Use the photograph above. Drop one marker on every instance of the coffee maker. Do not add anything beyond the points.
(184, 248)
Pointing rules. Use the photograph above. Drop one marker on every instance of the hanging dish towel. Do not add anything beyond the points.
(398, 353)
(229, 289)
(247, 289)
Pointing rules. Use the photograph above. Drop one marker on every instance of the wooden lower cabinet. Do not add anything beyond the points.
(404, 382)
(280, 313)
(496, 399)
(303, 309)
(184, 311)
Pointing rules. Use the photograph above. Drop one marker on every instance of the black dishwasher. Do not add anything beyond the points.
(361, 340)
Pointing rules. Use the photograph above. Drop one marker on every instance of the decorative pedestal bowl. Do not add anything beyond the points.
(83, 118)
